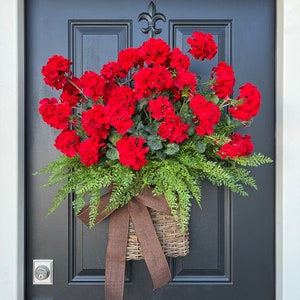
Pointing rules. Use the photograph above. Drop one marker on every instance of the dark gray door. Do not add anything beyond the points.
(231, 238)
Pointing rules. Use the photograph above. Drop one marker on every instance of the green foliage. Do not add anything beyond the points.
(255, 160)
(179, 178)
(173, 179)
(76, 178)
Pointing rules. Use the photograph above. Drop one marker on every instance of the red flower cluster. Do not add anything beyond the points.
(120, 108)
(132, 152)
(150, 81)
(178, 60)
(111, 70)
(70, 94)
(203, 46)
(55, 71)
(224, 81)
(92, 85)
(173, 129)
(95, 123)
(91, 150)
(155, 52)
(142, 103)
(54, 113)
(127, 59)
(160, 108)
(251, 103)
(237, 146)
(207, 115)
(186, 81)
(68, 142)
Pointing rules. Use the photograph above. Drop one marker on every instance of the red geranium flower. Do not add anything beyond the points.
(186, 80)
(92, 85)
(160, 108)
(152, 80)
(55, 71)
(109, 86)
(225, 80)
(70, 94)
(237, 146)
(251, 104)
(132, 152)
(110, 71)
(127, 59)
(203, 45)
(68, 142)
(173, 129)
(207, 114)
(95, 123)
(54, 113)
(91, 150)
(154, 52)
(178, 60)
(120, 108)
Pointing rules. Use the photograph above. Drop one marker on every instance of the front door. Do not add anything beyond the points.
(231, 238)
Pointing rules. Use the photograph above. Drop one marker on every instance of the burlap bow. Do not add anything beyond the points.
(117, 240)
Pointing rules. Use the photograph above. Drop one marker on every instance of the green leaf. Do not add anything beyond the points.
(136, 118)
(141, 104)
(140, 126)
(177, 106)
(171, 149)
(112, 154)
(191, 130)
(213, 98)
(154, 142)
(228, 120)
(161, 154)
(152, 128)
(200, 147)
(114, 137)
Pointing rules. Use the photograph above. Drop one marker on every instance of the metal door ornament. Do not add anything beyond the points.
(151, 17)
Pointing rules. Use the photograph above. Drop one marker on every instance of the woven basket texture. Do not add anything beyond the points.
(173, 241)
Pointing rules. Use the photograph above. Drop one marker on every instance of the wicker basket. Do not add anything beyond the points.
(173, 241)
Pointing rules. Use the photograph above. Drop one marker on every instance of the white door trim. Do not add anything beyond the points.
(12, 150)
(287, 147)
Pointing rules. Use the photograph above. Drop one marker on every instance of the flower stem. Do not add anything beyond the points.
(225, 103)
(78, 88)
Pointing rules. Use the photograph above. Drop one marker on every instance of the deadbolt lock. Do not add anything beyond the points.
(42, 272)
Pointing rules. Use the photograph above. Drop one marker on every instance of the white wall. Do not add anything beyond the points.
(11, 150)
(288, 145)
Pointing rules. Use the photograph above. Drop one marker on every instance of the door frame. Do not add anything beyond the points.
(12, 214)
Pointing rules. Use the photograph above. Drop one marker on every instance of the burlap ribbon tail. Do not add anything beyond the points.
(154, 257)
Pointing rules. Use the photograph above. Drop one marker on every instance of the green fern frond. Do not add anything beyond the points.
(178, 179)
(173, 179)
(217, 173)
(244, 176)
(78, 202)
(255, 160)
(94, 204)
(123, 186)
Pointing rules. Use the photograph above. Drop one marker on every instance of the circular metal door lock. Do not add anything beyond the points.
(41, 272)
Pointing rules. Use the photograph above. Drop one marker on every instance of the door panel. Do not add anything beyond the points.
(231, 238)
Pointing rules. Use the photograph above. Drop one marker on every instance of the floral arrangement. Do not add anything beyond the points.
(145, 121)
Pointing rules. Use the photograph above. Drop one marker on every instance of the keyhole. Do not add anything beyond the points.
(42, 272)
